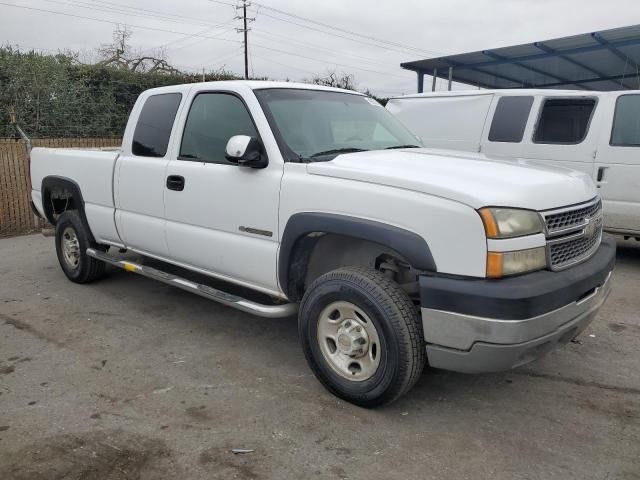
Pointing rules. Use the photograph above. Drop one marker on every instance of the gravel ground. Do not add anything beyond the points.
(128, 378)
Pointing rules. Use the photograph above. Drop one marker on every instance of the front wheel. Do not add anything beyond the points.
(361, 336)
(72, 241)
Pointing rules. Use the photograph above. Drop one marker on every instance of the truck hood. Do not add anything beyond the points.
(474, 179)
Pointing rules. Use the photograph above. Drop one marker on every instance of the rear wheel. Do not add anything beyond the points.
(361, 336)
(72, 241)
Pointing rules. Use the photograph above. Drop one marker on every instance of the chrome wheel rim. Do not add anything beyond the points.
(349, 341)
(70, 248)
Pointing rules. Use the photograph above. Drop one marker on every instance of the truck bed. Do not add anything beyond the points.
(91, 170)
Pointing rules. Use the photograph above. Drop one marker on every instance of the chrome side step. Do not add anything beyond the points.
(268, 311)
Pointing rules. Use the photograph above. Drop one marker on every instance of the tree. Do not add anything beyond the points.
(334, 79)
(119, 54)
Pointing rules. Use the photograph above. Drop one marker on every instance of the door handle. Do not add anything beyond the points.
(175, 182)
(600, 176)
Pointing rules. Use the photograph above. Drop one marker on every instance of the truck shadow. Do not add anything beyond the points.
(628, 251)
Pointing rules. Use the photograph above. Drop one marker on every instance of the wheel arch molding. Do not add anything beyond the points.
(410, 245)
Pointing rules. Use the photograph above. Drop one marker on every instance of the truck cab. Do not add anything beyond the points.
(318, 202)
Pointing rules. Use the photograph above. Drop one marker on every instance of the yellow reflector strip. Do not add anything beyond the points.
(129, 267)
(490, 226)
(494, 265)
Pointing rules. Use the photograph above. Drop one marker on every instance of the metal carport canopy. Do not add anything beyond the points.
(605, 60)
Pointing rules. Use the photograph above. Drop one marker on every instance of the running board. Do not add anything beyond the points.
(268, 311)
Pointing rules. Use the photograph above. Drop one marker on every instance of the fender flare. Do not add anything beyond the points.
(52, 181)
(410, 245)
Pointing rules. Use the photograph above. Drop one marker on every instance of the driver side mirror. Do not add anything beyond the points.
(246, 151)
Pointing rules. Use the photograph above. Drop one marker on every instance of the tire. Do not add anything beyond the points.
(73, 258)
(350, 298)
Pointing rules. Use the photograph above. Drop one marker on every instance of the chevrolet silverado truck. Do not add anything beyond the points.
(318, 202)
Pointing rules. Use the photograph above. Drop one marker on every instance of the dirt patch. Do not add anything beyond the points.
(223, 464)
(20, 325)
(107, 455)
(616, 327)
(622, 411)
(578, 382)
(198, 413)
(7, 370)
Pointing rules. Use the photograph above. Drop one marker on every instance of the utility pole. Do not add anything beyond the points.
(245, 30)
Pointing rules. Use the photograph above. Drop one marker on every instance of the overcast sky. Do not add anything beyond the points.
(284, 46)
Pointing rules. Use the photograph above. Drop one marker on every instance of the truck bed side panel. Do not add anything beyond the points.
(92, 171)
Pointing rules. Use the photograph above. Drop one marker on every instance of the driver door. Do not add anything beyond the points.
(222, 218)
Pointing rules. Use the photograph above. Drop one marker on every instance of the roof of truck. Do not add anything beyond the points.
(252, 84)
(514, 91)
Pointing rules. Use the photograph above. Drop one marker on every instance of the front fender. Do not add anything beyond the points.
(410, 245)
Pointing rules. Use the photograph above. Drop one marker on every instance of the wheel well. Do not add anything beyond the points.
(60, 194)
(317, 253)
(60, 199)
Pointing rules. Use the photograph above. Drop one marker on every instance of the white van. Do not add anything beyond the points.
(595, 132)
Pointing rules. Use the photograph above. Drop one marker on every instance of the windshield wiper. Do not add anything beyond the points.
(403, 146)
(337, 151)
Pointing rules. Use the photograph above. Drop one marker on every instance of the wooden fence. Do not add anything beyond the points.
(16, 217)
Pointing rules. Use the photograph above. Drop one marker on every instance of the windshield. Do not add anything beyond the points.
(316, 125)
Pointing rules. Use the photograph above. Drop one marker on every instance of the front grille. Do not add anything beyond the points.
(571, 218)
(573, 234)
(566, 253)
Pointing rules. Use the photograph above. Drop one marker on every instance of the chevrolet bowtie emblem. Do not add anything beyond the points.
(593, 226)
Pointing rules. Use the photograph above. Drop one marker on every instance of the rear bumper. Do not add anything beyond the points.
(494, 325)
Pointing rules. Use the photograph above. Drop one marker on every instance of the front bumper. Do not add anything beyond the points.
(494, 325)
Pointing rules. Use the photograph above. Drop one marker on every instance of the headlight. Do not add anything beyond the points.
(510, 222)
(500, 264)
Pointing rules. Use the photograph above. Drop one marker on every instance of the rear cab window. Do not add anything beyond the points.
(510, 119)
(626, 122)
(153, 130)
(564, 120)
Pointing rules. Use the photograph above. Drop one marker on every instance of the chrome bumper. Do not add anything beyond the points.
(470, 344)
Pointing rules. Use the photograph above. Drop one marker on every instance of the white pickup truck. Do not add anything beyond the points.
(391, 255)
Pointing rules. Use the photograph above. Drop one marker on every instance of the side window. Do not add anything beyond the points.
(213, 119)
(510, 119)
(626, 122)
(151, 136)
(564, 120)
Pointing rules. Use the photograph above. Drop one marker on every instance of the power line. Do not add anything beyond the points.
(113, 22)
(308, 27)
(121, 11)
(82, 4)
(223, 3)
(317, 47)
(387, 43)
(282, 64)
(200, 40)
(387, 74)
(167, 14)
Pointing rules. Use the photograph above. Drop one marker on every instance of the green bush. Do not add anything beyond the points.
(55, 96)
